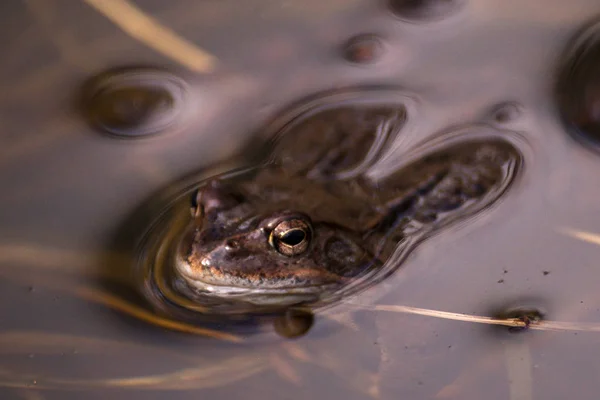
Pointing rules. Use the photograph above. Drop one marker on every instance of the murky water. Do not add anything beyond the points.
(75, 201)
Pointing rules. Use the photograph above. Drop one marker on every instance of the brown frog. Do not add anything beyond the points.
(310, 221)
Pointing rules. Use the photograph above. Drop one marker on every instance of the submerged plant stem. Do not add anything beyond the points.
(508, 322)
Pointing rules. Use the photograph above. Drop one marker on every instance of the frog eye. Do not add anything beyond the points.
(291, 237)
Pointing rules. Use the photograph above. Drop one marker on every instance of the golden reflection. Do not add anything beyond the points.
(203, 374)
(65, 271)
(589, 237)
(132, 310)
(56, 260)
(516, 355)
(518, 367)
(147, 30)
(285, 369)
(202, 377)
(284, 358)
(26, 342)
(29, 395)
(116, 303)
(296, 351)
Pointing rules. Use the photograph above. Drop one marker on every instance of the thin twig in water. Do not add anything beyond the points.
(509, 322)
(589, 237)
(147, 30)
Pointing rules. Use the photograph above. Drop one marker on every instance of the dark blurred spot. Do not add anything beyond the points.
(125, 109)
(506, 112)
(528, 316)
(422, 10)
(294, 323)
(133, 102)
(363, 49)
(578, 88)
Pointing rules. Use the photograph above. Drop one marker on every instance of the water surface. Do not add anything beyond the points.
(67, 192)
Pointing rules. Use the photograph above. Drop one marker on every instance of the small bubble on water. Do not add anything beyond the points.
(133, 102)
(506, 112)
(363, 49)
(294, 323)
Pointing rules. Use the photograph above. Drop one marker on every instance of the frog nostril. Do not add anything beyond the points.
(232, 245)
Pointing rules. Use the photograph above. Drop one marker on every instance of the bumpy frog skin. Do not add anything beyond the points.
(310, 219)
(242, 245)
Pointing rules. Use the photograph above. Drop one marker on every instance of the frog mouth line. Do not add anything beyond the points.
(202, 287)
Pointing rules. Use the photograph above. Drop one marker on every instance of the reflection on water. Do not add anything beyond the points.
(69, 319)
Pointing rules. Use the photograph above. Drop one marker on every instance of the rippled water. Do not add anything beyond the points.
(74, 204)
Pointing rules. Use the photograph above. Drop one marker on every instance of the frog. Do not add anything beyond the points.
(310, 220)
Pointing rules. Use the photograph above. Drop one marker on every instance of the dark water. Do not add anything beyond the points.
(68, 192)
